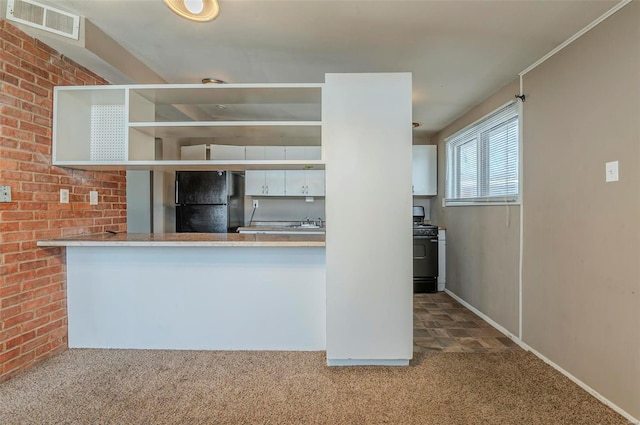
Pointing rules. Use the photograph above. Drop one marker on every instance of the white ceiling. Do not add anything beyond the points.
(458, 51)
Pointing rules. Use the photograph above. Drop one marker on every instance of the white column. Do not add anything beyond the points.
(366, 137)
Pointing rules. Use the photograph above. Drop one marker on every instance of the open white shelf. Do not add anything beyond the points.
(144, 126)
(186, 165)
(226, 94)
(244, 129)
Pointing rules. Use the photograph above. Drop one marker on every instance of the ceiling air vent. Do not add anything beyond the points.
(43, 17)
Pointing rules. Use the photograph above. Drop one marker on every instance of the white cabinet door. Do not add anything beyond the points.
(314, 152)
(296, 182)
(425, 171)
(304, 182)
(315, 182)
(226, 153)
(274, 182)
(274, 152)
(294, 152)
(303, 152)
(254, 153)
(264, 183)
(254, 184)
(260, 153)
(196, 152)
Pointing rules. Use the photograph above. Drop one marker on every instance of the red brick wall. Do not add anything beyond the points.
(33, 316)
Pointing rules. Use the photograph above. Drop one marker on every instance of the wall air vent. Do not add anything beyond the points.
(43, 17)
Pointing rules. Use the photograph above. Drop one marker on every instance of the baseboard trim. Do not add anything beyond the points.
(582, 385)
(367, 362)
(526, 347)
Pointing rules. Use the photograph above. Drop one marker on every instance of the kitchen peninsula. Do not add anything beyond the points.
(352, 298)
(196, 291)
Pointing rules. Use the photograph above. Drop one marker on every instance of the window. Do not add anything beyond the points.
(482, 160)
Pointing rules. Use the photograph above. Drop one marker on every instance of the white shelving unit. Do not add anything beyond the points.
(368, 277)
(116, 127)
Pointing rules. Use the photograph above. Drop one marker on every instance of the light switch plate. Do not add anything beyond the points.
(5, 193)
(93, 197)
(64, 196)
(611, 171)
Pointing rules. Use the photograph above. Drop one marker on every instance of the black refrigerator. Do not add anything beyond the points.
(209, 201)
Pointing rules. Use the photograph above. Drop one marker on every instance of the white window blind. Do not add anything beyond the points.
(482, 160)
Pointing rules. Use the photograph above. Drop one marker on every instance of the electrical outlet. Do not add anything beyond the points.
(255, 203)
(93, 197)
(64, 196)
(5, 193)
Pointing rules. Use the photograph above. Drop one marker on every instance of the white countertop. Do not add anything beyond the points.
(189, 239)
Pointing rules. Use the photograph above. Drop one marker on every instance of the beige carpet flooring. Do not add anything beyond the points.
(189, 387)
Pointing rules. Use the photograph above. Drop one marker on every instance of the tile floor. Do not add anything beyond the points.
(440, 323)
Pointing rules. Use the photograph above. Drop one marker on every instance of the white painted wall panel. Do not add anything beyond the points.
(367, 138)
(217, 298)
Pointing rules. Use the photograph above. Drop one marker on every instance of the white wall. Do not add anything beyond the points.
(366, 137)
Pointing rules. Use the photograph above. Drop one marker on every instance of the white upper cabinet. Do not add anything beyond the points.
(146, 126)
(193, 152)
(284, 183)
(226, 153)
(262, 153)
(304, 182)
(295, 182)
(425, 170)
(264, 183)
(315, 182)
(303, 152)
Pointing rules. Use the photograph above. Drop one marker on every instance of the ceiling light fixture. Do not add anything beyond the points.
(195, 10)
